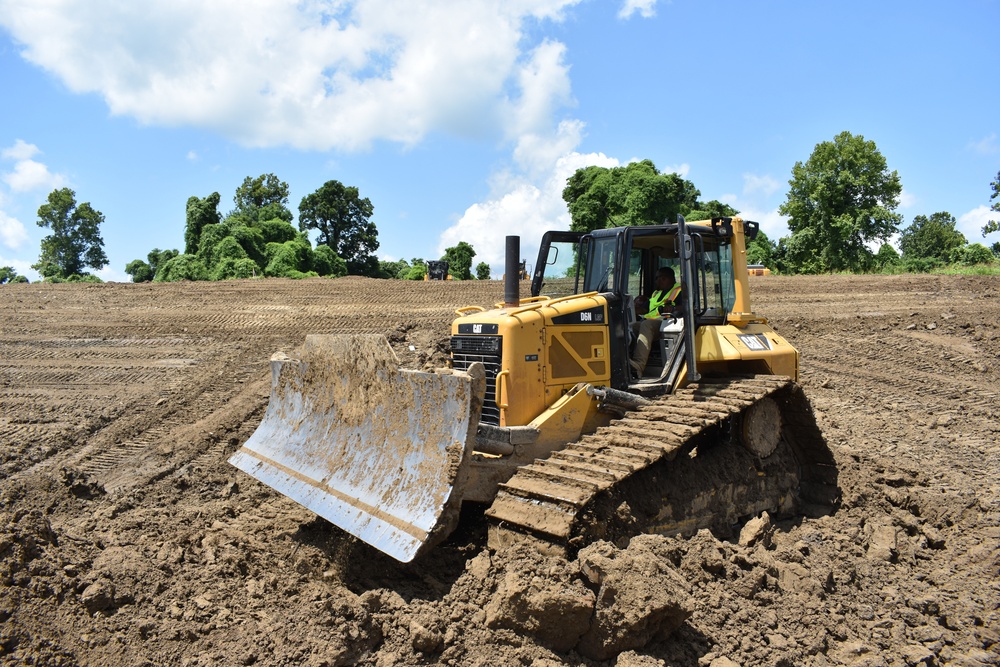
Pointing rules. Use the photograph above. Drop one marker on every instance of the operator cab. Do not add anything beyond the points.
(620, 264)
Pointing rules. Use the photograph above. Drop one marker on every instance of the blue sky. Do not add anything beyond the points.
(461, 120)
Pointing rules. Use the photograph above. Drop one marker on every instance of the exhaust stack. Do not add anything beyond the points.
(512, 272)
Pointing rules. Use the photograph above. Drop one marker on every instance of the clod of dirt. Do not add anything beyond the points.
(541, 596)
(758, 530)
(640, 597)
(23, 536)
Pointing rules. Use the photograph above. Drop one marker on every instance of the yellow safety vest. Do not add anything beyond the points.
(661, 298)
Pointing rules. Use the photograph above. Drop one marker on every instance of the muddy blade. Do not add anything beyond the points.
(378, 451)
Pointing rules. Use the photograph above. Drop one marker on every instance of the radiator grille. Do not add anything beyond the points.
(487, 349)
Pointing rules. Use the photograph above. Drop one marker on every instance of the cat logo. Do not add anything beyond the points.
(477, 328)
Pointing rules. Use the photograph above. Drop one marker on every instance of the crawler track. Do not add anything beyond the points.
(672, 467)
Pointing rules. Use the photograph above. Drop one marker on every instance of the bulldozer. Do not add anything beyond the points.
(541, 418)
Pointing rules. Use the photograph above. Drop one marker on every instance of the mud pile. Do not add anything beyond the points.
(125, 538)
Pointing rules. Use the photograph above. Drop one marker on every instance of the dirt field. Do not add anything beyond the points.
(126, 538)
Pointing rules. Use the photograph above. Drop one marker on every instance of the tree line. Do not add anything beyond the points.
(840, 205)
(256, 238)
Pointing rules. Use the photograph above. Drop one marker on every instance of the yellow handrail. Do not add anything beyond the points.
(500, 375)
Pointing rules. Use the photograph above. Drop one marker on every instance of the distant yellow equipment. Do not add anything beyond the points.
(758, 270)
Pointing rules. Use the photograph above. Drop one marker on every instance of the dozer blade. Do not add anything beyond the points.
(380, 452)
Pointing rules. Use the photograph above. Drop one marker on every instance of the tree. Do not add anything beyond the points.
(140, 271)
(200, 213)
(388, 269)
(636, 194)
(262, 198)
(75, 241)
(886, 257)
(973, 254)
(417, 270)
(840, 200)
(482, 271)
(9, 275)
(459, 258)
(143, 272)
(182, 267)
(761, 250)
(341, 216)
(993, 225)
(709, 210)
(934, 239)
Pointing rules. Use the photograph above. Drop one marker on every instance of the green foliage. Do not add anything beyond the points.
(230, 260)
(993, 225)
(482, 271)
(9, 275)
(81, 278)
(841, 199)
(211, 237)
(886, 258)
(230, 268)
(459, 258)
(931, 238)
(341, 216)
(992, 269)
(417, 270)
(388, 269)
(326, 263)
(252, 241)
(200, 213)
(75, 241)
(636, 194)
(290, 259)
(709, 210)
(276, 231)
(182, 267)
(255, 239)
(158, 258)
(140, 271)
(75, 278)
(262, 198)
(975, 253)
(761, 250)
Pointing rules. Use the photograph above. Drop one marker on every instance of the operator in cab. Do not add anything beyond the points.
(665, 300)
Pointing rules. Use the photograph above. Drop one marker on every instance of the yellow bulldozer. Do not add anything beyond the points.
(542, 418)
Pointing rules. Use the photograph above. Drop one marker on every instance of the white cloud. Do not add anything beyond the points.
(526, 203)
(907, 199)
(21, 150)
(645, 8)
(771, 222)
(681, 170)
(544, 84)
(971, 224)
(110, 275)
(310, 74)
(988, 145)
(12, 232)
(28, 174)
(193, 156)
(760, 185)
